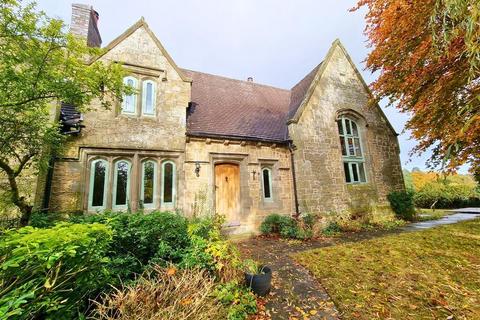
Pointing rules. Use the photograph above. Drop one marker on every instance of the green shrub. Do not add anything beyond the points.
(140, 239)
(50, 273)
(239, 300)
(287, 227)
(332, 229)
(446, 195)
(208, 250)
(402, 204)
(45, 219)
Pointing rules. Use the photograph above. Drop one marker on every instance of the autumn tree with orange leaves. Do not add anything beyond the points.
(427, 53)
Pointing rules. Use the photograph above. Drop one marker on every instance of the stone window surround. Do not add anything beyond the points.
(362, 126)
(135, 158)
(274, 202)
(115, 181)
(90, 186)
(269, 174)
(141, 81)
(155, 183)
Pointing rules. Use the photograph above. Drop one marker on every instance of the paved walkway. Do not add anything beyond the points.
(453, 218)
(296, 294)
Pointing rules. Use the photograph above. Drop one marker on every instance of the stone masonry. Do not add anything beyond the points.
(336, 89)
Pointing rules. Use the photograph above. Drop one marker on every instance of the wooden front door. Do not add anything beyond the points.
(227, 190)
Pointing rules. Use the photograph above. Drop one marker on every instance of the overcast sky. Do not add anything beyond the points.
(275, 41)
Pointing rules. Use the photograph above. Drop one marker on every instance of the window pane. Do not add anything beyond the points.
(344, 148)
(148, 182)
(129, 100)
(358, 150)
(121, 183)
(347, 172)
(149, 98)
(266, 184)
(99, 177)
(361, 168)
(354, 129)
(347, 126)
(340, 127)
(351, 148)
(168, 183)
(354, 172)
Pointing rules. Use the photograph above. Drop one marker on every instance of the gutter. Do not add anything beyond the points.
(292, 148)
(233, 137)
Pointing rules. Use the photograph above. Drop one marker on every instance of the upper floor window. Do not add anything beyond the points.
(121, 184)
(129, 103)
(98, 184)
(350, 142)
(267, 184)
(148, 98)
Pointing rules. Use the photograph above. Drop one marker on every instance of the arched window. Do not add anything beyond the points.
(350, 142)
(148, 98)
(129, 104)
(98, 184)
(149, 183)
(168, 183)
(267, 184)
(121, 185)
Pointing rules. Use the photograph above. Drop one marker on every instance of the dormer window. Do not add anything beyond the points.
(129, 104)
(148, 99)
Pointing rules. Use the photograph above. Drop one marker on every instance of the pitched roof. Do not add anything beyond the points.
(299, 91)
(226, 107)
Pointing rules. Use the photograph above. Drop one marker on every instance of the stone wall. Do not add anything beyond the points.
(318, 159)
(251, 157)
(110, 134)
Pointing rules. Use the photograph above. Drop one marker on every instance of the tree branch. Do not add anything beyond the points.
(16, 104)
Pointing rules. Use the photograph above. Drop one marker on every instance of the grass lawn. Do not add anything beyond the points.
(431, 274)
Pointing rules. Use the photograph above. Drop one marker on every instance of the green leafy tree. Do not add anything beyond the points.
(427, 54)
(42, 64)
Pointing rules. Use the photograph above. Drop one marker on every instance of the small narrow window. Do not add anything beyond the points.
(121, 184)
(98, 184)
(149, 184)
(267, 183)
(351, 147)
(129, 104)
(148, 101)
(168, 183)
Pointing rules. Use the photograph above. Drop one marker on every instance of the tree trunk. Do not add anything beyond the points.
(20, 202)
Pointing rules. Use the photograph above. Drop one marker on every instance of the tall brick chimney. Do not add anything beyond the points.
(85, 24)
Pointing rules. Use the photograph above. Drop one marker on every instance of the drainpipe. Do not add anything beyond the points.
(292, 148)
(48, 185)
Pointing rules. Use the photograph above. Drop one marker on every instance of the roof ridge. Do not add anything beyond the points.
(238, 80)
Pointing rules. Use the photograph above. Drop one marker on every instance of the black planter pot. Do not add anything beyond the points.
(260, 283)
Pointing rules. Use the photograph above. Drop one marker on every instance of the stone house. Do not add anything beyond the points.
(200, 143)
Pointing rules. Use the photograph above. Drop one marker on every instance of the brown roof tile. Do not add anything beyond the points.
(299, 90)
(223, 107)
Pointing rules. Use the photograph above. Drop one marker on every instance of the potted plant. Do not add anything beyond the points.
(258, 277)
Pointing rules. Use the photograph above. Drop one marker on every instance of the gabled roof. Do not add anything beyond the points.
(229, 108)
(137, 25)
(223, 107)
(299, 91)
